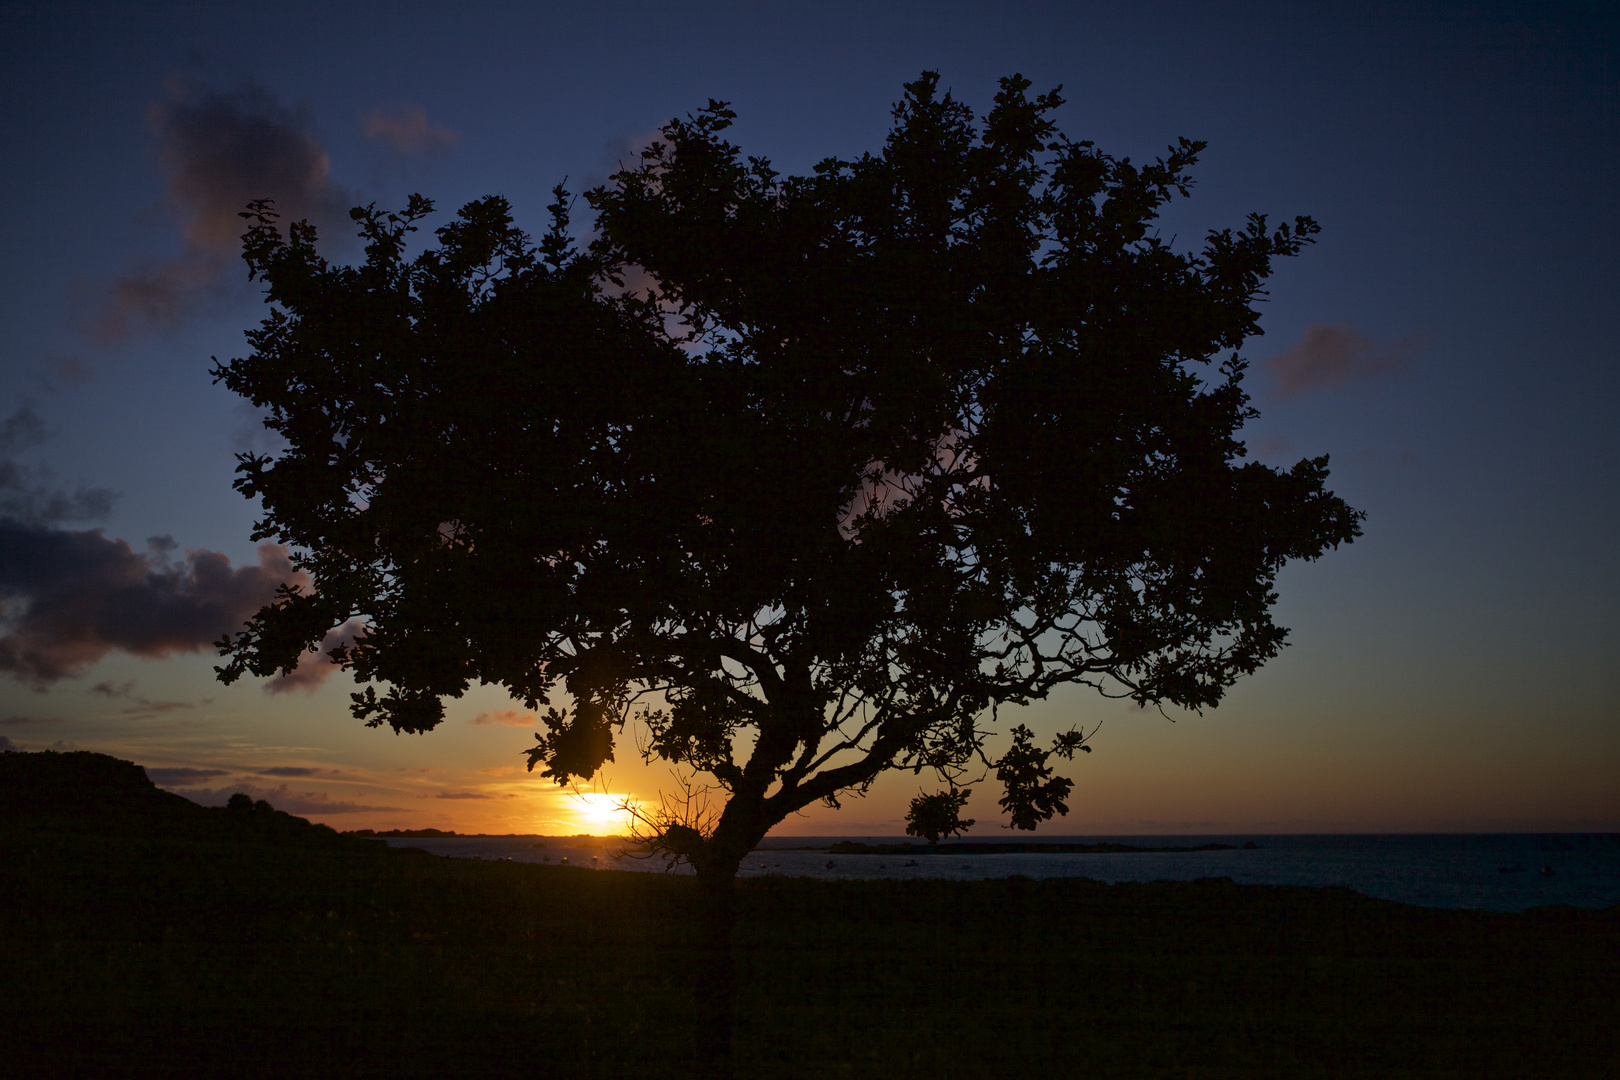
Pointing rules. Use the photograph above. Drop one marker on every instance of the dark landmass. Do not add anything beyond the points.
(1011, 847)
(83, 792)
(141, 938)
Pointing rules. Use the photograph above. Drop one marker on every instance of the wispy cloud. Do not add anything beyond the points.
(22, 429)
(315, 667)
(619, 152)
(407, 129)
(61, 372)
(506, 718)
(72, 597)
(288, 771)
(144, 707)
(250, 436)
(1333, 354)
(28, 492)
(220, 150)
(462, 795)
(1266, 448)
(179, 777)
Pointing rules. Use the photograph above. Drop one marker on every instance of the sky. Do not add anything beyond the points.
(1450, 342)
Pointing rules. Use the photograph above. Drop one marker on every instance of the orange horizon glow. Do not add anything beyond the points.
(600, 813)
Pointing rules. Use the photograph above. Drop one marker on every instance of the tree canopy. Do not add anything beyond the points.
(808, 476)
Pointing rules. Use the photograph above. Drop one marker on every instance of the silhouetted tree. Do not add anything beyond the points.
(939, 814)
(809, 475)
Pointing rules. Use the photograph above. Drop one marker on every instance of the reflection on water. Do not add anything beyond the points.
(1499, 872)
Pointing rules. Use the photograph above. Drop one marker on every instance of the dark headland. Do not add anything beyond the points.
(141, 935)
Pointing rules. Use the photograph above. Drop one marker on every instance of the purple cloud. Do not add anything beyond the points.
(407, 129)
(315, 667)
(220, 150)
(1332, 354)
(287, 771)
(69, 598)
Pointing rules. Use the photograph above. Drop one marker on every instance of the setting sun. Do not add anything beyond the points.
(599, 813)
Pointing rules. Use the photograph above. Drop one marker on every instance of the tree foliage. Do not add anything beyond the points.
(939, 814)
(806, 475)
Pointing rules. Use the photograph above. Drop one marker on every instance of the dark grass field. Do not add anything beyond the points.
(214, 955)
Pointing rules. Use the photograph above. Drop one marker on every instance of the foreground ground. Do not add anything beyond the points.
(285, 955)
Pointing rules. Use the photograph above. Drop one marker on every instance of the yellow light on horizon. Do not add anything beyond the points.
(599, 813)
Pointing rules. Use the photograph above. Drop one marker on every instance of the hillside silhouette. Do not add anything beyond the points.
(83, 792)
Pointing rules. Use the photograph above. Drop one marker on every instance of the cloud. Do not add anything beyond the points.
(1332, 354)
(65, 371)
(27, 492)
(248, 433)
(506, 718)
(287, 771)
(22, 429)
(155, 708)
(27, 499)
(462, 795)
(498, 770)
(179, 777)
(282, 798)
(28, 721)
(7, 746)
(1270, 448)
(69, 598)
(143, 707)
(618, 153)
(220, 150)
(315, 667)
(407, 129)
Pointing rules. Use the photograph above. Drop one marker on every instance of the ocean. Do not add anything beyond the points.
(1490, 872)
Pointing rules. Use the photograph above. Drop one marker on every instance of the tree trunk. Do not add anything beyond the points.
(716, 986)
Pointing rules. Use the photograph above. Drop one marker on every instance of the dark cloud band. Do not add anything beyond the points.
(68, 598)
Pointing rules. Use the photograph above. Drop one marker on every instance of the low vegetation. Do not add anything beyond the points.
(190, 952)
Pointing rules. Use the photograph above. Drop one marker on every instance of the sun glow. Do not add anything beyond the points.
(600, 813)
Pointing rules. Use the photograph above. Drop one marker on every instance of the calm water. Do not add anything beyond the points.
(1499, 872)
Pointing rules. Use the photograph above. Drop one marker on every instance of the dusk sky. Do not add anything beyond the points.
(1450, 341)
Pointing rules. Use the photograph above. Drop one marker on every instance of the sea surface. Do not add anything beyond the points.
(1495, 872)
